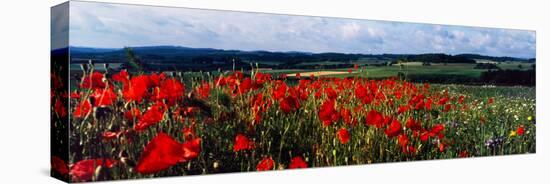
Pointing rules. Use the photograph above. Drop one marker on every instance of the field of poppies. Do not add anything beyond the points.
(127, 125)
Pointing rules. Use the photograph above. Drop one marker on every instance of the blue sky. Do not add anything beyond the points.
(114, 26)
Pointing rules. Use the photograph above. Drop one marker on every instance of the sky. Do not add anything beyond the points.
(104, 25)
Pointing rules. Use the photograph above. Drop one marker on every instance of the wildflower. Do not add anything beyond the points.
(191, 149)
(343, 135)
(109, 135)
(413, 125)
(136, 89)
(463, 154)
(242, 143)
(402, 140)
(103, 97)
(121, 76)
(82, 109)
(59, 165)
(244, 86)
(297, 162)
(265, 164)
(93, 81)
(280, 91)
(132, 114)
(520, 130)
(160, 153)
(374, 118)
(171, 89)
(203, 90)
(84, 170)
(327, 113)
(394, 129)
(152, 116)
(512, 133)
(289, 103)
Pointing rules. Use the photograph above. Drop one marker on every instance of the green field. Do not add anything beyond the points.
(413, 68)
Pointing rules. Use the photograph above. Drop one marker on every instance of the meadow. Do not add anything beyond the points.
(126, 125)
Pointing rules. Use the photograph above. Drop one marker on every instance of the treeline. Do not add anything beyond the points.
(489, 77)
(218, 58)
(438, 58)
(497, 59)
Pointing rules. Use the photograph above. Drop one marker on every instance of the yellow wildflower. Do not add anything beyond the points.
(512, 133)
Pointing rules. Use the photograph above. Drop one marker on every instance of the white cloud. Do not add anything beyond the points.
(115, 25)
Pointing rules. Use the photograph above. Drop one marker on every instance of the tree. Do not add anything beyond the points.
(133, 60)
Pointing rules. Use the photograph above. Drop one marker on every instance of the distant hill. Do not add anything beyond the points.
(498, 59)
(91, 50)
(177, 57)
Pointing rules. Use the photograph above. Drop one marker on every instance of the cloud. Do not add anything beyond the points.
(59, 26)
(116, 25)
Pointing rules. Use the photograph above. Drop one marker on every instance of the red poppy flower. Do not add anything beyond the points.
(191, 149)
(447, 108)
(331, 94)
(265, 164)
(75, 95)
(360, 91)
(136, 89)
(428, 104)
(204, 90)
(152, 116)
(461, 99)
(280, 91)
(82, 109)
(343, 135)
(239, 75)
(355, 66)
(188, 133)
(244, 86)
(419, 105)
(346, 116)
(171, 89)
(60, 108)
(84, 170)
(394, 129)
(93, 81)
(242, 143)
(132, 114)
(520, 130)
(442, 147)
(374, 118)
(297, 162)
(437, 129)
(289, 104)
(402, 109)
(443, 101)
(463, 154)
(408, 150)
(402, 140)
(121, 76)
(104, 97)
(59, 165)
(260, 79)
(220, 81)
(490, 101)
(328, 113)
(160, 153)
(425, 135)
(413, 125)
(109, 135)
